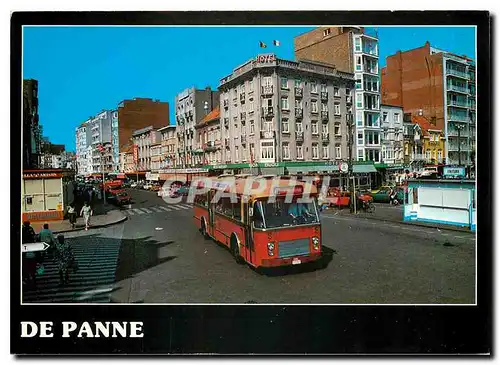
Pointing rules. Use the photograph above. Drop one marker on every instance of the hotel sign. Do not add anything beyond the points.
(266, 58)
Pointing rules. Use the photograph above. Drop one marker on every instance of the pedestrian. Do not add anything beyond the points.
(47, 236)
(64, 259)
(72, 215)
(86, 212)
(29, 258)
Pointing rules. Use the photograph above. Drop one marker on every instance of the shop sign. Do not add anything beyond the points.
(42, 175)
(136, 153)
(454, 172)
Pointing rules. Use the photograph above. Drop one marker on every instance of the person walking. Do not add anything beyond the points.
(28, 235)
(86, 212)
(72, 215)
(47, 236)
(64, 259)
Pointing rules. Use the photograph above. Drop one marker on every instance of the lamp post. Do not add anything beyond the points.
(459, 128)
(350, 122)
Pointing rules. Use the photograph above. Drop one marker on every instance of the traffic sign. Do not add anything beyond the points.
(33, 247)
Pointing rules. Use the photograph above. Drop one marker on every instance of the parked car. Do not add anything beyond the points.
(133, 185)
(384, 195)
(146, 186)
(388, 186)
(155, 187)
(120, 197)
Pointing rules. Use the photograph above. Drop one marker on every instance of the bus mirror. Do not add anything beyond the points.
(250, 212)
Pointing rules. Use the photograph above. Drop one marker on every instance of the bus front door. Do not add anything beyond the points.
(249, 244)
(211, 216)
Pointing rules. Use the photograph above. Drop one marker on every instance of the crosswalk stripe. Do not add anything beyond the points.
(138, 211)
(130, 212)
(165, 209)
(93, 282)
(183, 207)
(147, 210)
(175, 207)
(156, 209)
(187, 206)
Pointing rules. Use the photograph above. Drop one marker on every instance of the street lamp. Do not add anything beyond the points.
(459, 128)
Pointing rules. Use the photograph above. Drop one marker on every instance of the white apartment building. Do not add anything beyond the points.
(368, 131)
(169, 143)
(144, 138)
(392, 134)
(275, 110)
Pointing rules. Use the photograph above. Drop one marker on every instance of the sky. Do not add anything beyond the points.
(83, 70)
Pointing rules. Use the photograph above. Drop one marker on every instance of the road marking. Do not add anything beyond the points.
(165, 209)
(188, 206)
(138, 211)
(147, 210)
(131, 212)
(183, 207)
(156, 209)
(176, 208)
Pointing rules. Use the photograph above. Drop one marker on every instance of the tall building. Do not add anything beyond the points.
(441, 87)
(144, 139)
(392, 134)
(209, 137)
(275, 110)
(354, 50)
(192, 105)
(31, 128)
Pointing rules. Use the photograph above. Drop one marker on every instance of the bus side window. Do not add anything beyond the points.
(237, 210)
(257, 218)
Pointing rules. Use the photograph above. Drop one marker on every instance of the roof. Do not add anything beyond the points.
(390, 105)
(166, 128)
(213, 115)
(424, 124)
(256, 187)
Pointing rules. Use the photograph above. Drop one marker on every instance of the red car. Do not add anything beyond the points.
(120, 197)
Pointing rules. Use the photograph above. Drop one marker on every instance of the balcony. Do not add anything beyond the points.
(267, 134)
(456, 88)
(299, 92)
(242, 98)
(267, 90)
(324, 95)
(457, 73)
(268, 111)
(299, 112)
(226, 103)
(348, 99)
(459, 104)
(226, 142)
(324, 115)
(454, 117)
(454, 133)
(325, 137)
(314, 111)
(418, 157)
(243, 117)
(226, 122)
(243, 140)
(299, 136)
(370, 70)
(452, 147)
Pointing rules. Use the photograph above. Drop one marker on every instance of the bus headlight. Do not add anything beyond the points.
(270, 248)
(315, 241)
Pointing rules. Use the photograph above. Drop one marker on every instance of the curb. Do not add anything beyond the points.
(123, 219)
(410, 223)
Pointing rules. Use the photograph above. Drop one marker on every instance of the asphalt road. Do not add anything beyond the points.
(158, 256)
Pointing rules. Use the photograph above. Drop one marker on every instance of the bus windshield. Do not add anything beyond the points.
(284, 214)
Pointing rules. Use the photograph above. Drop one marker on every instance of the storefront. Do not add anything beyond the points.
(182, 175)
(46, 193)
(443, 201)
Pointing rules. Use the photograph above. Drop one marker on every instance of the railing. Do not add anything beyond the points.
(418, 157)
(454, 133)
(268, 111)
(299, 136)
(243, 116)
(348, 99)
(454, 148)
(324, 115)
(267, 90)
(243, 139)
(372, 51)
(267, 134)
(226, 122)
(324, 95)
(299, 112)
(242, 98)
(457, 103)
(298, 92)
(370, 70)
(226, 103)
(456, 88)
(463, 74)
(457, 117)
(325, 137)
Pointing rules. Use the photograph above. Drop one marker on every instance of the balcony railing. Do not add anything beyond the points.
(299, 136)
(267, 134)
(462, 74)
(299, 92)
(299, 112)
(243, 117)
(268, 111)
(325, 137)
(242, 98)
(324, 95)
(226, 103)
(243, 139)
(418, 157)
(348, 99)
(458, 117)
(454, 148)
(324, 115)
(267, 90)
(314, 111)
(457, 103)
(226, 122)
(456, 88)
(454, 133)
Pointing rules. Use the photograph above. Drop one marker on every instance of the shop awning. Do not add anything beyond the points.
(306, 169)
(363, 169)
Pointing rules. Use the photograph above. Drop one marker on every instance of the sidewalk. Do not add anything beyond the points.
(108, 218)
(393, 214)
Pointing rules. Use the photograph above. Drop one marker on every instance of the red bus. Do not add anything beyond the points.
(257, 230)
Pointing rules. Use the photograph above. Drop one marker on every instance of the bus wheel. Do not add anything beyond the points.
(235, 251)
(204, 230)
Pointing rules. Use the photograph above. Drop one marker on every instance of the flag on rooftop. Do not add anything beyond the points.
(262, 44)
(276, 43)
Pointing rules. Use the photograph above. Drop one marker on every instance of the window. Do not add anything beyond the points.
(297, 83)
(359, 119)
(285, 127)
(336, 91)
(252, 127)
(325, 152)
(250, 85)
(235, 93)
(336, 108)
(251, 107)
(323, 88)
(326, 32)
(314, 127)
(324, 107)
(300, 153)
(361, 155)
(358, 83)
(236, 154)
(284, 83)
(357, 44)
(359, 100)
(298, 104)
(286, 151)
(314, 87)
(267, 150)
(284, 104)
(315, 151)
(324, 128)
(314, 106)
(440, 155)
(359, 65)
(427, 155)
(347, 92)
(375, 138)
(384, 117)
(298, 127)
(338, 152)
(360, 139)
(267, 81)
(337, 130)
(201, 199)
(396, 117)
